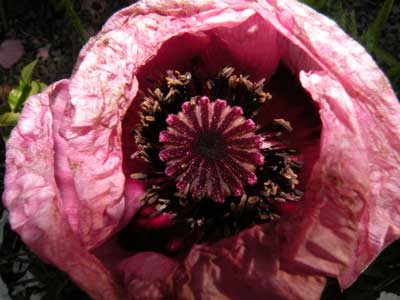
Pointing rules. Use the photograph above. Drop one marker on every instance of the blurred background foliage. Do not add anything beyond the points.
(61, 27)
(375, 24)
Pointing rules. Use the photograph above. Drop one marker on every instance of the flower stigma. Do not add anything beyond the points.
(211, 150)
(212, 170)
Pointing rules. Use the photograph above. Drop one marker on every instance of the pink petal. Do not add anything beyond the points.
(354, 93)
(145, 275)
(35, 201)
(246, 266)
(91, 126)
(364, 219)
(10, 52)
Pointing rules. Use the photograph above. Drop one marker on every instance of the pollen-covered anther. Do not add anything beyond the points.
(211, 149)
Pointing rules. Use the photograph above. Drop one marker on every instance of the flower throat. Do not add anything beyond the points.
(211, 169)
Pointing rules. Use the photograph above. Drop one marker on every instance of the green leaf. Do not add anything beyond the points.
(36, 87)
(371, 36)
(26, 88)
(386, 57)
(14, 96)
(394, 72)
(41, 85)
(26, 91)
(74, 19)
(339, 14)
(8, 119)
(26, 74)
(352, 24)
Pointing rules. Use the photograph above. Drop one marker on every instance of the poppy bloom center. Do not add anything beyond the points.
(211, 149)
(212, 171)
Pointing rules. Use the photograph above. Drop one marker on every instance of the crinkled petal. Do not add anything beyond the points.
(35, 201)
(354, 205)
(358, 215)
(101, 90)
(246, 266)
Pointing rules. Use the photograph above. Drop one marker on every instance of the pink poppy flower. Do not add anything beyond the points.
(68, 183)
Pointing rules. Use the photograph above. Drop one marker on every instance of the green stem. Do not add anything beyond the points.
(382, 17)
(371, 36)
(73, 17)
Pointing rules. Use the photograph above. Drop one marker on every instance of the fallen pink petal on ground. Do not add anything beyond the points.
(10, 52)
